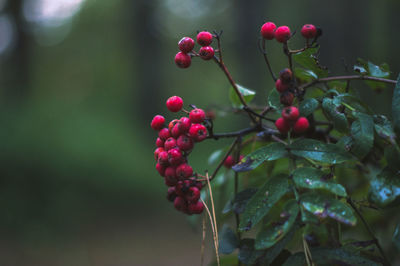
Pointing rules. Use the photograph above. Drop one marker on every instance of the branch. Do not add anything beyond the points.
(264, 52)
(239, 133)
(351, 77)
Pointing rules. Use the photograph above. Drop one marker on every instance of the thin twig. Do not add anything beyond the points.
(264, 52)
(351, 77)
(213, 230)
(223, 160)
(239, 133)
(203, 242)
(214, 216)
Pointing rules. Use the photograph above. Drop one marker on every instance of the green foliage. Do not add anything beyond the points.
(247, 94)
(309, 61)
(396, 106)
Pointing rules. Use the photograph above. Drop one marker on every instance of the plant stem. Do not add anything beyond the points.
(223, 159)
(236, 189)
(350, 77)
(369, 229)
(264, 52)
(239, 133)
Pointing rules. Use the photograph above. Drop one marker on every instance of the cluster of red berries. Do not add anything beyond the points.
(284, 85)
(174, 144)
(291, 120)
(183, 59)
(282, 34)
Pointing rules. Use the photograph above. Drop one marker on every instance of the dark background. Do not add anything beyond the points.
(79, 84)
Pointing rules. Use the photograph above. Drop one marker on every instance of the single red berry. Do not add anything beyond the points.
(174, 104)
(268, 30)
(290, 113)
(301, 125)
(158, 122)
(182, 187)
(282, 34)
(198, 132)
(193, 194)
(180, 204)
(171, 194)
(186, 45)
(185, 143)
(206, 52)
(280, 86)
(175, 156)
(170, 176)
(309, 31)
(287, 98)
(164, 134)
(196, 207)
(229, 162)
(184, 171)
(172, 124)
(157, 153)
(204, 38)
(285, 75)
(176, 131)
(184, 124)
(170, 143)
(197, 115)
(282, 125)
(161, 169)
(159, 142)
(163, 158)
(183, 60)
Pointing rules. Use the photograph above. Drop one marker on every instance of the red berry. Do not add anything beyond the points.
(163, 158)
(174, 104)
(282, 125)
(183, 60)
(204, 38)
(309, 31)
(193, 194)
(184, 124)
(182, 187)
(161, 169)
(268, 30)
(184, 143)
(280, 86)
(301, 125)
(197, 115)
(180, 204)
(206, 52)
(287, 98)
(196, 208)
(176, 131)
(157, 152)
(175, 156)
(158, 122)
(170, 143)
(229, 161)
(164, 134)
(286, 75)
(172, 124)
(171, 194)
(282, 34)
(290, 113)
(170, 176)
(159, 142)
(184, 171)
(186, 45)
(198, 132)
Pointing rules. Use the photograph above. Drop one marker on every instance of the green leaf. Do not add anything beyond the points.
(260, 204)
(248, 95)
(396, 106)
(305, 75)
(308, 60)
(312, 178)
(385, 188)
(247, 254)
(325, 206)
(238, 204)
(370, 69)
(383, 128)
(308, 106)
(319, 151)
(275, 231)
(270, 152)
(228, 240)
(392, 156)
(215, 156)
(274, 100)
(362, 131)
(360, 69)
(338, 118)
(396, 237)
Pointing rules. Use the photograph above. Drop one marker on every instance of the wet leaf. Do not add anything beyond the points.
(324, 206)
(274, 100)
(362, 131)
(396, 106)
(247, 254)
(271, 233)
(248, 95)
(270, 152)
(308, 60)
(215, 156)
(396, 237)
(305, 75)
(385, 188)
(312, 178)
(370, 69)
(392, 156)
(228, 240)
(308, 106)
(319, 151)
(338, 118)
(238, 204)
(260, 204)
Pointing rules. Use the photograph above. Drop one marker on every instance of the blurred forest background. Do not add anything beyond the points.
(80, 81)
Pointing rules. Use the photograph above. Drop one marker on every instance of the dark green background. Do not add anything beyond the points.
(78, 184)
